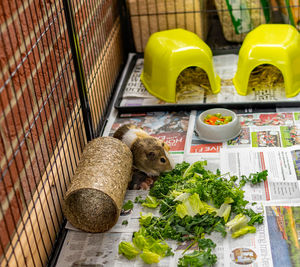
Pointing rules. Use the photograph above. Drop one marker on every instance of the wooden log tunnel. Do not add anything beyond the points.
(94, 199)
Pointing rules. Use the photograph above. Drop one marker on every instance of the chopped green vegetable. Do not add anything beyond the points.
(152, 250)
(139, 240)
(181, 211)
(150, 202)
(139, 199)
(254, 178)
(194, 202)
(244, 230)
(190, 206)
(145, 220)
(206, 208)
(193, 168)
(128, 250)
(237, 222)
(150, 257)
(228, 200)
(254, 217)
(160, 248)
(224, 211)
(128, 205)
(205, 243)
(220, 227)
(125, 222)
(198, 258)
(181, 196)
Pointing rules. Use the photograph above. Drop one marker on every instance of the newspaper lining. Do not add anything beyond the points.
(269, 141)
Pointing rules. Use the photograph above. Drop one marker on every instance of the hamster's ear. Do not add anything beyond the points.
(166, 146)
(151, 155)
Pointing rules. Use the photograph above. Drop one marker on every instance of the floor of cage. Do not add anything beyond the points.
(101, 249)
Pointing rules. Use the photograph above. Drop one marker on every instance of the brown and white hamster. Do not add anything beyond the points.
(150, 155)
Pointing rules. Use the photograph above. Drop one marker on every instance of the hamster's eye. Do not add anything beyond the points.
(163, 160)
(163, 144)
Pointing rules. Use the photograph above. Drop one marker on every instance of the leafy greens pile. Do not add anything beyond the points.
(193, 202)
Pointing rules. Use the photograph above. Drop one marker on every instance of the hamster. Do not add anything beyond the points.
(150, 155)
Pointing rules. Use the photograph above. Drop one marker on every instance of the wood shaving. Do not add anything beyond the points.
(265, 76)
(191, 83)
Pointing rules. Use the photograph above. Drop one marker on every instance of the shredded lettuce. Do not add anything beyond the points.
(128, 250)
(139, 241)
(145, 220)
(151, 250)
(238, 222)
(150, 257)
(198, 258)
(192, 206)
(206, 208)
(182, 196)
(193, 202)
(244, 230)
(198, 165)
(224, 211)
(150, 202)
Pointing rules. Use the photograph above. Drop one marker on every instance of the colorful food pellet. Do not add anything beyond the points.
(217, 119)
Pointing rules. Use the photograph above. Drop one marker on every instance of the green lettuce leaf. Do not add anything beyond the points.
(150, 257)
(128, 250)
(206, 208)
(224, 211)
(150, 202)
(228, 200)
(198, 258)
(145, 242)
(128, 205)
(192, 206)
(145, 220)
(244, 230)
(194, 168)
(139, 241)
(160, 248)
(238, 222)
(182, 196)
(181, 211)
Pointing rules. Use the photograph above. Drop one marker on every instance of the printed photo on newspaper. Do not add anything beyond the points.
(170, 127)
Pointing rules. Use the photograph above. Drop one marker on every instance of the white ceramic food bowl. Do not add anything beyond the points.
(218, 133)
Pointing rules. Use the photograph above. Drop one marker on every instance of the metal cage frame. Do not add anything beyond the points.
(60, 62)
